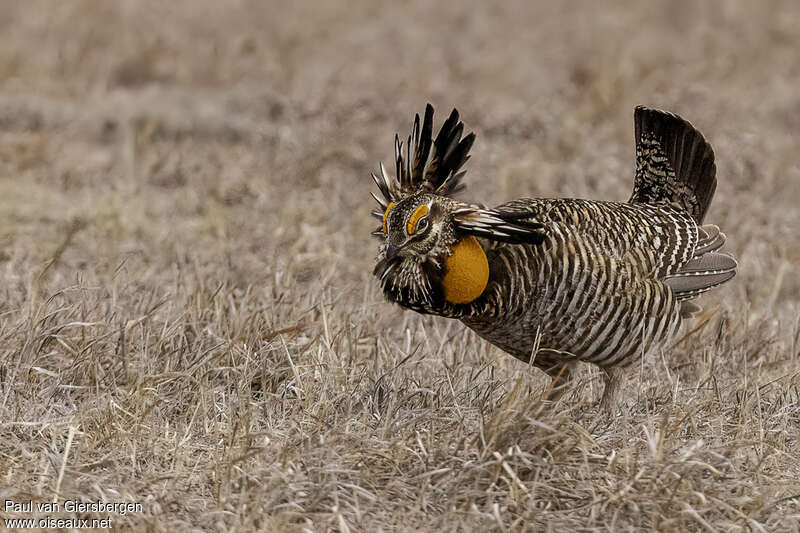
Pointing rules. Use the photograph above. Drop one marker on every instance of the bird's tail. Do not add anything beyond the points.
(704, 271)
(674, 163)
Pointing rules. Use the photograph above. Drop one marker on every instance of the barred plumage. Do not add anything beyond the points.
(555, 281)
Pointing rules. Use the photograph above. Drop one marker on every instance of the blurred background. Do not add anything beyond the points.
(185, 261)
(245, 131)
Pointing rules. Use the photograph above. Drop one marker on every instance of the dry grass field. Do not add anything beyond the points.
(187, 314)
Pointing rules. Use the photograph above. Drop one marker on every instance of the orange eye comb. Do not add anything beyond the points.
(418, 213)
(386, 214)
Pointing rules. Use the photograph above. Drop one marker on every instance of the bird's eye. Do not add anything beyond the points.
(422, 225)
(418, 214)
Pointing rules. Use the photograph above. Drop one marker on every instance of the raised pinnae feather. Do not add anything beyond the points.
(383, 189)
(423, 141)
(457, 157)
(453, 184)
(454, 140)
(398, 160)
(440, 144)
(450, 154)
(427, 164)
(387, 181)
(409, 176)
(415, 133)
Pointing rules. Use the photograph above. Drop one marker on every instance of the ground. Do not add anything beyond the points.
(188, 319)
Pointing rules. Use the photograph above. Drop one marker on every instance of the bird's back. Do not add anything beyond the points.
(594, 289)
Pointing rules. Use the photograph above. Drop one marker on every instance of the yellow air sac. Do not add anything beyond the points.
(467, 271)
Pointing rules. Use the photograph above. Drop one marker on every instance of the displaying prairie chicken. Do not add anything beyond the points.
(555, 281)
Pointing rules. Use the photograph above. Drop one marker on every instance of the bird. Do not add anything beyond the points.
(555, 282)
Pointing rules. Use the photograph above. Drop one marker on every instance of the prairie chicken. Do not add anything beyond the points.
(555, 281)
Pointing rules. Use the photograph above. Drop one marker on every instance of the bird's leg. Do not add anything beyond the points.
(611, 392)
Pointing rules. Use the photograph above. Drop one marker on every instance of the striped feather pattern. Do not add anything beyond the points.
(588, 288)
(569, 280)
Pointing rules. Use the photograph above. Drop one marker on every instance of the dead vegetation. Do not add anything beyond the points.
(187, 316)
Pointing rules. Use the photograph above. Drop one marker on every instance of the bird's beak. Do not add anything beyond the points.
(391, 251)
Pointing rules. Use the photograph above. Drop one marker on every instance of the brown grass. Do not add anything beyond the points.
(188, 319)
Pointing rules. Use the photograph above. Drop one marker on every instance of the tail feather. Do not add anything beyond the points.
(701, 274)
(710, 239)
(674, 163)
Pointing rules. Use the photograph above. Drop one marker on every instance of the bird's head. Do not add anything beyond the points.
(424, 260)
(418, 226)
(430, 257)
